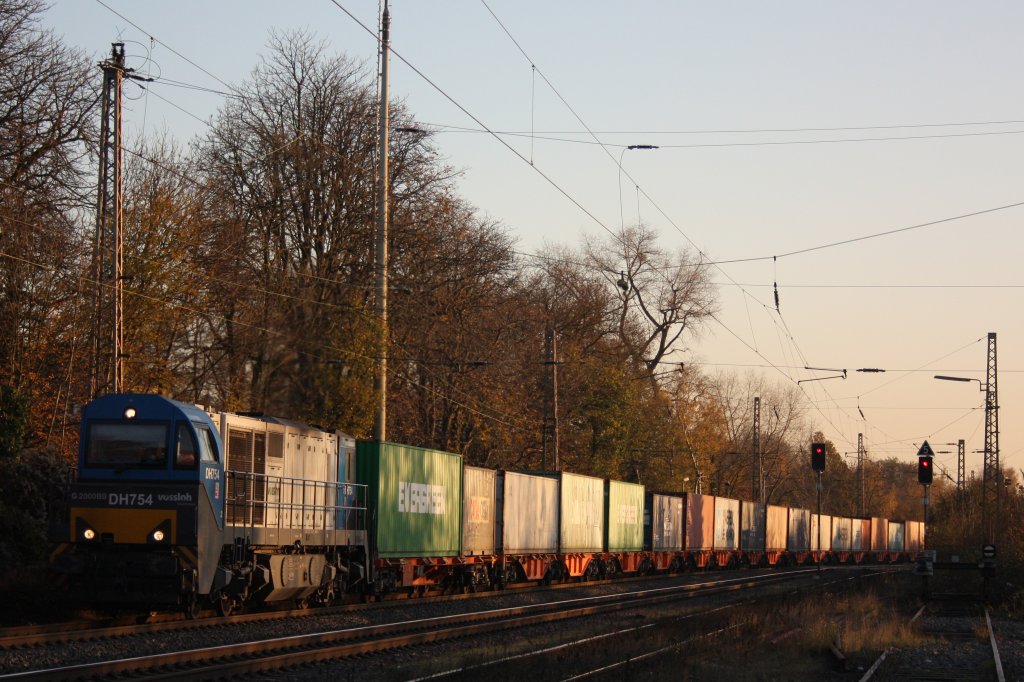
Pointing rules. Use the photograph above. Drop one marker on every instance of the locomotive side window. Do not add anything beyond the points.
(185, 448)
(121, 444)
(207, 446)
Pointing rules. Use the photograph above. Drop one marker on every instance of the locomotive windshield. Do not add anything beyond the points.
(121, 444)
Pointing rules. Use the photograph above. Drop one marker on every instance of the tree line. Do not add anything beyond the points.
(249, 286)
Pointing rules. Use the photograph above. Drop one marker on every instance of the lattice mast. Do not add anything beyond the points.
(992, 478)
(860, 473)
(107, 373)
(756, 489)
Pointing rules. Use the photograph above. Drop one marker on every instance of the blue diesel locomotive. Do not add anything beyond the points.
(174, 505)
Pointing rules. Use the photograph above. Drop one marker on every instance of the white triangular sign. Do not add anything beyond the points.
(926, 450)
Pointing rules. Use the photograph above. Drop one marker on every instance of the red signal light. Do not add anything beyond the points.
(924, 470)
(818, 456)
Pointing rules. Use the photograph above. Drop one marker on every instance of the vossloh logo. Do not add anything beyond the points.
(420, 498)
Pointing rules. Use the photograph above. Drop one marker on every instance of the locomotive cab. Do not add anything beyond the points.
(146, 511)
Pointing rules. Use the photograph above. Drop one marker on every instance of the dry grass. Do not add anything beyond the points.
(855, 623)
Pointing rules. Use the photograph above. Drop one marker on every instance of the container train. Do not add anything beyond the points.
(177, 506)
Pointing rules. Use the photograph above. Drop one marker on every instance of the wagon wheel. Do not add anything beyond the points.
(676, 566)
(225, 605)
(511, 574)
(592, 572)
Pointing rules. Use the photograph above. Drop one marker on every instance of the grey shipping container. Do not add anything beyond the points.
(799, 537)
(479, 511)
(582, 512)
(777, 528)
(727, 523)
(417, 495)
(529, 513)
(700, 521)
(624, 516)
(752, 524)
(663, 523)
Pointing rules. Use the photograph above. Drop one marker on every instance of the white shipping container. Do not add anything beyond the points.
(727, 523)
(529, 514)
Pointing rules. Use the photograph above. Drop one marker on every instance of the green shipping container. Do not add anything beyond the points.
(624, 511)
(415, 498)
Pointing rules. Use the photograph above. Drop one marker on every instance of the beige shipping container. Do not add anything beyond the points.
(700, 521)
(582, 512)
(879, 534)
(776, 528)
(479, 517)
(826, 532)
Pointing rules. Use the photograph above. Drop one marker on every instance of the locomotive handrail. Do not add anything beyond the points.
(311, 505)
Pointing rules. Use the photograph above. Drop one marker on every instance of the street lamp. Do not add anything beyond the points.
(963, 379)
(622, 218)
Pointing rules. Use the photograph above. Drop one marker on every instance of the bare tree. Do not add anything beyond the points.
(661, 295)
(47, 99)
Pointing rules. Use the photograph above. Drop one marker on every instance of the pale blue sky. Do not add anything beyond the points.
(653, 72)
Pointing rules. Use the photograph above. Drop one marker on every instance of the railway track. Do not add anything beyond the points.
(960, 646)
(309, 649)
(625, 651)
(141, 624)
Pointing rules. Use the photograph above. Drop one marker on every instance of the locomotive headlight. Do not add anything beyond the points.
(158, 535)
(129, 413)
(89, 534)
